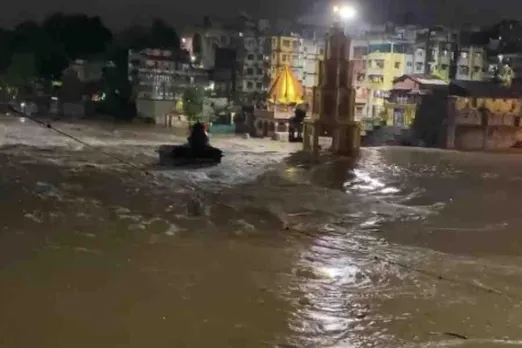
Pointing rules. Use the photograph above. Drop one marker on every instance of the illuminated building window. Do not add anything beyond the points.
(464, 55)
(286, 43)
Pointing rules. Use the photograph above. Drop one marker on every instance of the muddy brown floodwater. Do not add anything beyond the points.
(410, 248)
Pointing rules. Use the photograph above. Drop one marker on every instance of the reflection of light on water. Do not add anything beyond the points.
(364, 182)
(328, 283)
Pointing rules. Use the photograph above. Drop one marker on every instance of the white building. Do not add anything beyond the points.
(253, 62)
(162, 74)
(312, 51)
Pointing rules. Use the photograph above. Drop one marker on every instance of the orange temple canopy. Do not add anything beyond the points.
(285, 88)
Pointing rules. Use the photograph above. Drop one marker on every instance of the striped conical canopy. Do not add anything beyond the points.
(285, 88)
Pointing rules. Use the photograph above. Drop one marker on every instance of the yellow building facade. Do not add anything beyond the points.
(381, 70)
(285, 52)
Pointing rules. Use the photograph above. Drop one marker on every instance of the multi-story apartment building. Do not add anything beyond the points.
(253, 58)
(286, 51)
(312, 52)
(301, 52)
(388, 52)
(202, 42)
(162, 74)
(471, 63)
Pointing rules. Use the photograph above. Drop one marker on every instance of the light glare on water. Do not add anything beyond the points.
(411, 248)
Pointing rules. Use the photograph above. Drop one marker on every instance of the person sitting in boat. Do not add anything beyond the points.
(198, 136)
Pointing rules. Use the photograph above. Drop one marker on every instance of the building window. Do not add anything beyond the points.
(274, 41)
(286, 43)
(420, 52)
(250, 71)
(379, 63)
(321, 51)
(259, 71)
(250, 85)
(283, 58)
(464, 55)
(259, 85)
(419, 66)
(444, 67)
(259, 57)
(397, 65)
(476, 69)
(250, 57)
(463, 70)
(409, 64)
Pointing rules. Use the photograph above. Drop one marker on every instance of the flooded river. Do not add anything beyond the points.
(406, 248)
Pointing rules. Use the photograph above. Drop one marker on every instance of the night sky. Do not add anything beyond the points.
(118, 13)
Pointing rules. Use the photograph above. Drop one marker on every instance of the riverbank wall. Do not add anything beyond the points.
(469, 122)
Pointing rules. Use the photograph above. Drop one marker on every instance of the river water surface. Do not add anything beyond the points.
(405, 248)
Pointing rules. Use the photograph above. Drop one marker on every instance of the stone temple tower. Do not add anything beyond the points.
(334, 100)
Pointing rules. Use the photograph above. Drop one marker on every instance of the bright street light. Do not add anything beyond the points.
(345, 12)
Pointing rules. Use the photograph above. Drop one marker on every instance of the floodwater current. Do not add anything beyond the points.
(405, 248)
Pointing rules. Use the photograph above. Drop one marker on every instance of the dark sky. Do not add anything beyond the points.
(117, 13)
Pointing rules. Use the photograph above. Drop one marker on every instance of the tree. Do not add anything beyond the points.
(82, 36)
(21, 72)
(158, 35)
(193, 103)
(163, 36)
(5, 43)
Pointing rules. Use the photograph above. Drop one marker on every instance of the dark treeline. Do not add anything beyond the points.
(41, 52)
(62, 38)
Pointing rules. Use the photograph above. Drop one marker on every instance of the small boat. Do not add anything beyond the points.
(181, 155)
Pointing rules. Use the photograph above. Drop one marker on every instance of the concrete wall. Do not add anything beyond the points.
(484, 123)
(495, 138)
(468, 124)
(156, 109)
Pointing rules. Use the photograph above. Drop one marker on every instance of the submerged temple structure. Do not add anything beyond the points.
(334, 100)
(284, 94)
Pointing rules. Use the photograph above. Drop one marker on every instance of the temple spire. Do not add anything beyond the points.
(285, 88)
